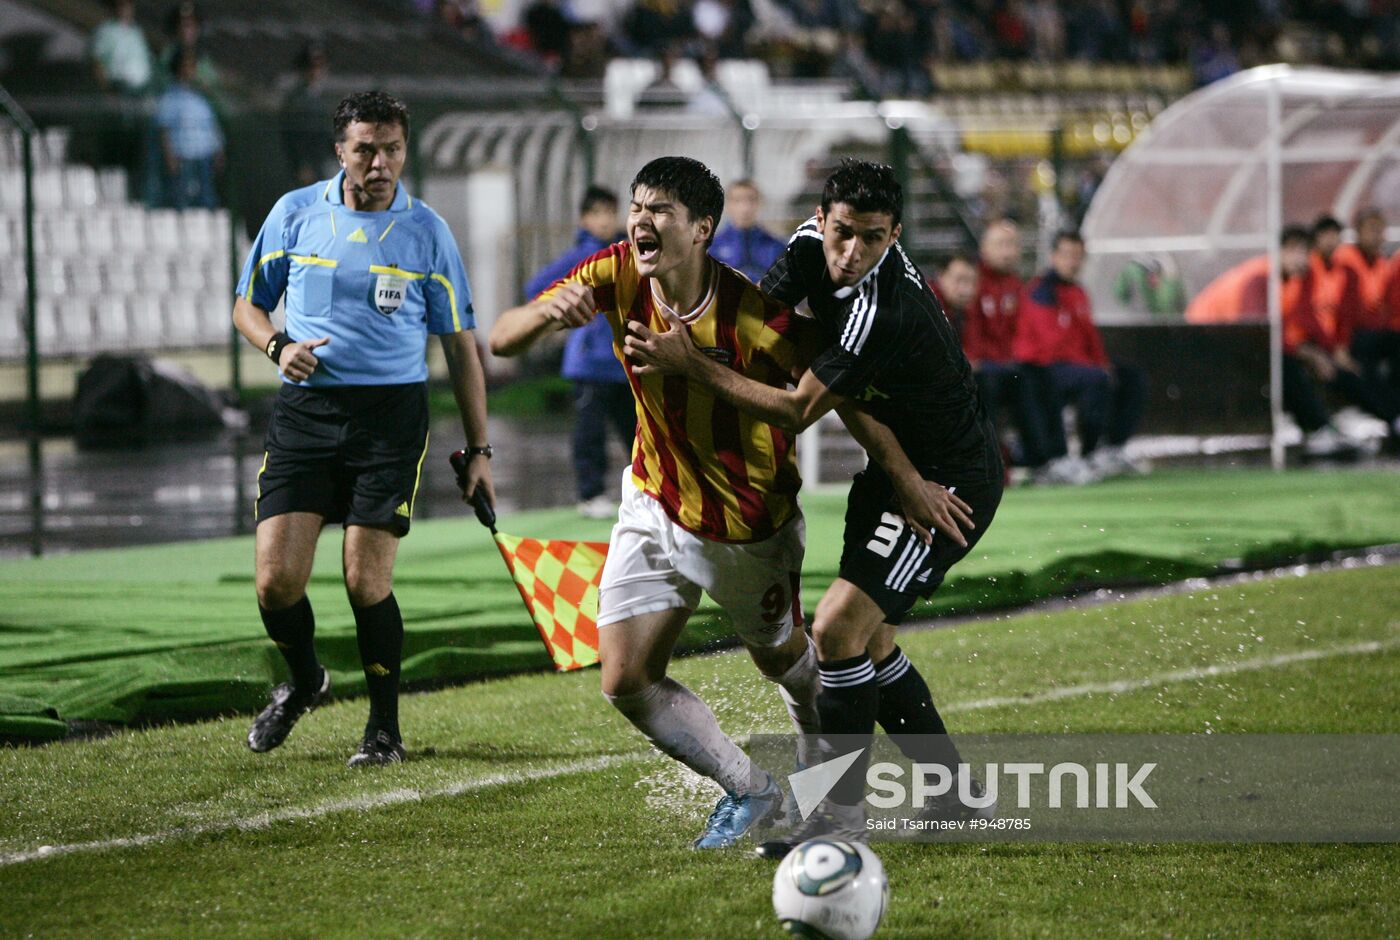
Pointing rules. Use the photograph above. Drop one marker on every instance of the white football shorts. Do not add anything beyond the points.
(654, 565)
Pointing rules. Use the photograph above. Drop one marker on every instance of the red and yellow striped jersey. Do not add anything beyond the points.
(717, 471)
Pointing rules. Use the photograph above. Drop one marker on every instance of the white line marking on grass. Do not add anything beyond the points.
(1178, 675)
(363, 802)
(372, 801)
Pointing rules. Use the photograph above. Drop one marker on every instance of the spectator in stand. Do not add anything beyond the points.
(955, 286)
(306, 135)
(547, 30)
(1213, 57)
(1376, 341)
(892, 41)
(121, 59)
(742, 243)
(988, 330)
(184, 33)
(191, 142)
(724, 25)
(653, 26)
(602, 397)
(1059, 346)
(1317, 335)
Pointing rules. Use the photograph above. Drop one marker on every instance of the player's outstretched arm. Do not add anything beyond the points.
(674, 352)
(469, 388)
(519, 328)
(926, 505)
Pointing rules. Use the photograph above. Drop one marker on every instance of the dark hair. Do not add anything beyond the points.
(689, 181)
(1325, 223)
(180, 58)
(960, 256)
(1366, 214)
(1066, 235)
(311, 50)
(1296, 233)
(865, 186)
(594, 196)
(371, 107)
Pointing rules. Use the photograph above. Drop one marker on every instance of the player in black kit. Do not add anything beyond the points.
(891, 363)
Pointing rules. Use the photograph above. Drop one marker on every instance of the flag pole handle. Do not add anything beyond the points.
(484, 513)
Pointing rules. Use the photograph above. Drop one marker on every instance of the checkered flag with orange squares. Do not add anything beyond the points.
(559, 584)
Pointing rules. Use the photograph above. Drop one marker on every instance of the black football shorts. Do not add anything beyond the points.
(884, 557)
(351, 454)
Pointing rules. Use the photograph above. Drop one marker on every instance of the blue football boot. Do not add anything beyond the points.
(736, 815)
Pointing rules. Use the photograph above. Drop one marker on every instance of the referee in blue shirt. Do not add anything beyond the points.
(367, 272)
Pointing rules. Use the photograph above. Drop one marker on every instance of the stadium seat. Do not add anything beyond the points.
(118, 276)
(110, 323)
(131, 230)
(163, 229)
(99, 233)
(188, 272)
(181, 317)
(146, 322)
(80, 187)
(111, 185)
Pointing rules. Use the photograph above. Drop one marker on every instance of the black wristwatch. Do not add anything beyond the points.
(485, 451)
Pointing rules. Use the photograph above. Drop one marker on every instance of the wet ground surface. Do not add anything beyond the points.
(189, 490)
(170, 492)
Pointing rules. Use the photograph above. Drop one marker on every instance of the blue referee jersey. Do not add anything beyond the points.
(376, 283)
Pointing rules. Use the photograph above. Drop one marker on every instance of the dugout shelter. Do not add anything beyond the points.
(1220, 172)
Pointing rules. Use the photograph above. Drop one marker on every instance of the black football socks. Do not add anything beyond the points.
(848, 704)
(906, 710)
(379, 630)
(293, 630)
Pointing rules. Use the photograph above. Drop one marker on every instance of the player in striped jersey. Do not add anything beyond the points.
(885, 343)
(710, 500)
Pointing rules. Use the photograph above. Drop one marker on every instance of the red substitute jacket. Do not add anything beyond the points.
(1307, 321)
(1372, 274)
(1056, 324)
(1336, 295)
(990, 326)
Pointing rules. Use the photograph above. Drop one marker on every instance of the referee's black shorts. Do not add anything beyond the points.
(884, 557)
(352, 454)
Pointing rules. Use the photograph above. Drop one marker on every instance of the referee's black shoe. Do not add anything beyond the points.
(276, 721)
(378, 748)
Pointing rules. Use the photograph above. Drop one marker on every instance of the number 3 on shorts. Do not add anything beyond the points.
(886, 535)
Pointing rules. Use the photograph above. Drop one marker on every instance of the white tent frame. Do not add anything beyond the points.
(1314, 93)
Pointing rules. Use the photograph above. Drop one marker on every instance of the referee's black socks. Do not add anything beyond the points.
(379, 630)
(906, 708)
(293, 630)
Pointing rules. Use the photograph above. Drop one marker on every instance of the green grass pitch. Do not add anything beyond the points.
(530, 809)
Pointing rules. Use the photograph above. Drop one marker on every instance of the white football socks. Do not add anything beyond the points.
(682, 726)
(799, 687)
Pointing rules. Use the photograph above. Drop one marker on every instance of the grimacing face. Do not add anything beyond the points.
(662, 233)
(373, 156)
(854, 242)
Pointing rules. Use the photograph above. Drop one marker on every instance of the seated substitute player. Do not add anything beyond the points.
(710, 501)
(367, 272)
(887, 344)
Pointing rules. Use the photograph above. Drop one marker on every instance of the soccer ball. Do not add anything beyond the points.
(831, 889)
